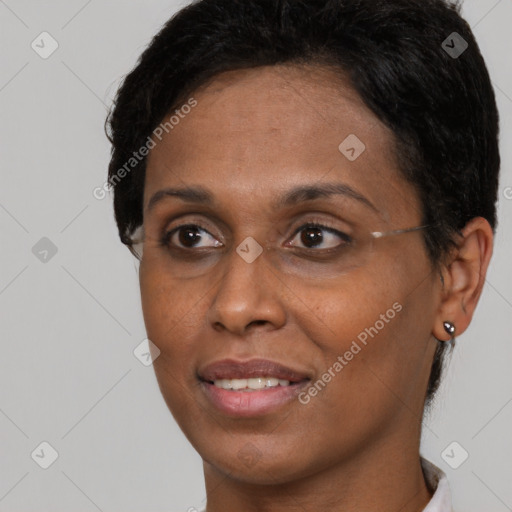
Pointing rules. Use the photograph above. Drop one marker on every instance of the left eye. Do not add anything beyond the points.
(311, 236)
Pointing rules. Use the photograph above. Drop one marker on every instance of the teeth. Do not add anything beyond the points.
(253, 383)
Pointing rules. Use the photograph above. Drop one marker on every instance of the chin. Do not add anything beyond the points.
(252, 459)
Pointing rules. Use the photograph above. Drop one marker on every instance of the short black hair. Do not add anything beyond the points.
(407, 59)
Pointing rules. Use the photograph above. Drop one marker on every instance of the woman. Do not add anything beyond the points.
(311, 189)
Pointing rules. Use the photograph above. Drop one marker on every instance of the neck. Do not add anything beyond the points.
(385, 477)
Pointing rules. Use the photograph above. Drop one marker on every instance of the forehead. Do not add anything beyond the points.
(256, 133)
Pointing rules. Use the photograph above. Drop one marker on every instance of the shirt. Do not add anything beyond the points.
(441, 500)
(436, 479)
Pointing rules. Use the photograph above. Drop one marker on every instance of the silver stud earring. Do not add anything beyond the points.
(449, 327)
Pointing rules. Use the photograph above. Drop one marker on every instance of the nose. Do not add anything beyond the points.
(248, 294)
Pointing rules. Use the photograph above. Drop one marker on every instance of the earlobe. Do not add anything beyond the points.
(463, 279)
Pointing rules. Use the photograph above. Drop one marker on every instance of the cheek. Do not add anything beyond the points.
(172, 317)
(172, 313)
(381, 331)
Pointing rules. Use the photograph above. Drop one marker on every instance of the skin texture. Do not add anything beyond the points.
(253, 135)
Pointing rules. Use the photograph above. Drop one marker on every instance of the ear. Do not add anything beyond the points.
(464, 277)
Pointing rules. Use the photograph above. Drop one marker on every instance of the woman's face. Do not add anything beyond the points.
(212, 302)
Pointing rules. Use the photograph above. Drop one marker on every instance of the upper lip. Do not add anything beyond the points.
(233, 369)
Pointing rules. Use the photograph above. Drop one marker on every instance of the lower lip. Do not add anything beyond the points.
(251, 403)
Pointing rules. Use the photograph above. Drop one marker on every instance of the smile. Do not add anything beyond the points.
(251, 384)
(250, 388)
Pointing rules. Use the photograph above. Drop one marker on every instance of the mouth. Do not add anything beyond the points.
(250, 388)
(251, 384)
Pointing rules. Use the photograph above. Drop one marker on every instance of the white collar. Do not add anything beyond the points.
(441, 500)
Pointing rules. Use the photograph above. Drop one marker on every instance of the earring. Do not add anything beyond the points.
(449, 327)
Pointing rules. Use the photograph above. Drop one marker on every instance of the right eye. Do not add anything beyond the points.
(187, 236)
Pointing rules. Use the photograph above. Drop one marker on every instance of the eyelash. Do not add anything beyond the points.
(164, 242)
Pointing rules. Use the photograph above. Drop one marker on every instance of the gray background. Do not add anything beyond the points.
(68, 375)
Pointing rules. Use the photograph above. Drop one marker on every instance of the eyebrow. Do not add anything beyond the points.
(201, 195)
